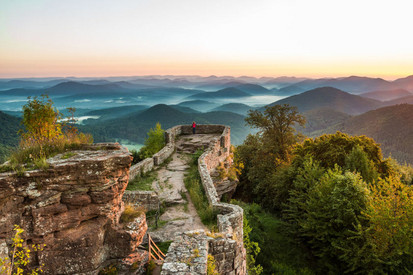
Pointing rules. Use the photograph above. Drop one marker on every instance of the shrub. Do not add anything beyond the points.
(43, 136)
(154, 143)
(211, 267)
(130, 213)
(252, 249)
(21, 256)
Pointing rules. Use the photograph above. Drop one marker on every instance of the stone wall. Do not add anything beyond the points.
(228, 249)
(148, 199)
(144, 166)
(74, 208)
(188, 254)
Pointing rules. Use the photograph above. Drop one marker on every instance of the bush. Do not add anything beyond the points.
(130, 213)
(153, 144)
(21, 256)
(43, 136)
(211, 267)
(278, 253)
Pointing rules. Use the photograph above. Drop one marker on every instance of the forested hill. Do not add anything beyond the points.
(391, 126)
(331, 98)
(9, 126)
(135, 126)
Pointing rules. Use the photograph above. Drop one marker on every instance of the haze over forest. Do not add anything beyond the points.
(124, 108)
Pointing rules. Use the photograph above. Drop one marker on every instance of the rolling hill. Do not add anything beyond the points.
(199, 105)
(351, 84)
(387, 94)
(227, 93)
(289, 90)
(135, 126)
(318, 120)
(111, 113)
(329, 97)
(237, 108)
(9, 126)
(9, 138)
(390, 126)
(405, 83)
(253, 89)
(403, 100)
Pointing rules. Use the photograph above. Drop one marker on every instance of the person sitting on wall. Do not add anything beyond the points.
(193, 127)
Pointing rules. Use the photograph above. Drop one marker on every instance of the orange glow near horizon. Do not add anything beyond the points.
(319, 38)
(122, 67)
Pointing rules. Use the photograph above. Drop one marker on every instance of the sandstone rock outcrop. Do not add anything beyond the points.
(74, 208)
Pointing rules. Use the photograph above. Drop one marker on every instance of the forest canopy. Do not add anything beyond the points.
(348, 208)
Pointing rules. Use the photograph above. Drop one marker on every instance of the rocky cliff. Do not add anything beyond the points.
(74, 209)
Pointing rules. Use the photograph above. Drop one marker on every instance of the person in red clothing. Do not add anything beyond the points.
(193, 127)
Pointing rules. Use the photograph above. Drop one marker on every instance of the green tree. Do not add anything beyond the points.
(333, 149)
(325, 217)
(154, 143)
(44, 135)
(388, 238)
(252, 249)
(263, 153)
(276, 128)
(40, 121)
(358, 161)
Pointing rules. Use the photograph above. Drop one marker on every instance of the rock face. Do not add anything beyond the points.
(74, 208)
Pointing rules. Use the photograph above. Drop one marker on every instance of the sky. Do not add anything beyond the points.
(310, 38)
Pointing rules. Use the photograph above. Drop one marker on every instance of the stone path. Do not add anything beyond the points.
(180, 214)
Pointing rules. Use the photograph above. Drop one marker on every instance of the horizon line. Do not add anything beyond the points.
(209, 75)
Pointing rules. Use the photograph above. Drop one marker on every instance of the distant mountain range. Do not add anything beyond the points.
(227, 93)
(237, 108)
(329, 97)
(128, 106)
(199, 105)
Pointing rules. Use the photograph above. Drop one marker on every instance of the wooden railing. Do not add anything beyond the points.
(152, 247)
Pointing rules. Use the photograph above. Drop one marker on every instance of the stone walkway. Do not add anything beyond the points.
(180, 214)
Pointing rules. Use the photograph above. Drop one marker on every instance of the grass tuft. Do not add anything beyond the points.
(196, 191)
(131, 212)
(143, 182)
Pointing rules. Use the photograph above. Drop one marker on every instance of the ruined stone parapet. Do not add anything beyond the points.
(163, 154)
(73, 207)
(188, 254)
(143, 166)
(148, 199)
(228, 249)
(149, 164)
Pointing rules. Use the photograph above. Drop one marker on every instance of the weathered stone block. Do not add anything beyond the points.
(71, 208)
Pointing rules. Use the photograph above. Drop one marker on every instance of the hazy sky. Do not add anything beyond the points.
(221, 37)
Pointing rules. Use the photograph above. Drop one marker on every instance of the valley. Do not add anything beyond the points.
(123, 109)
